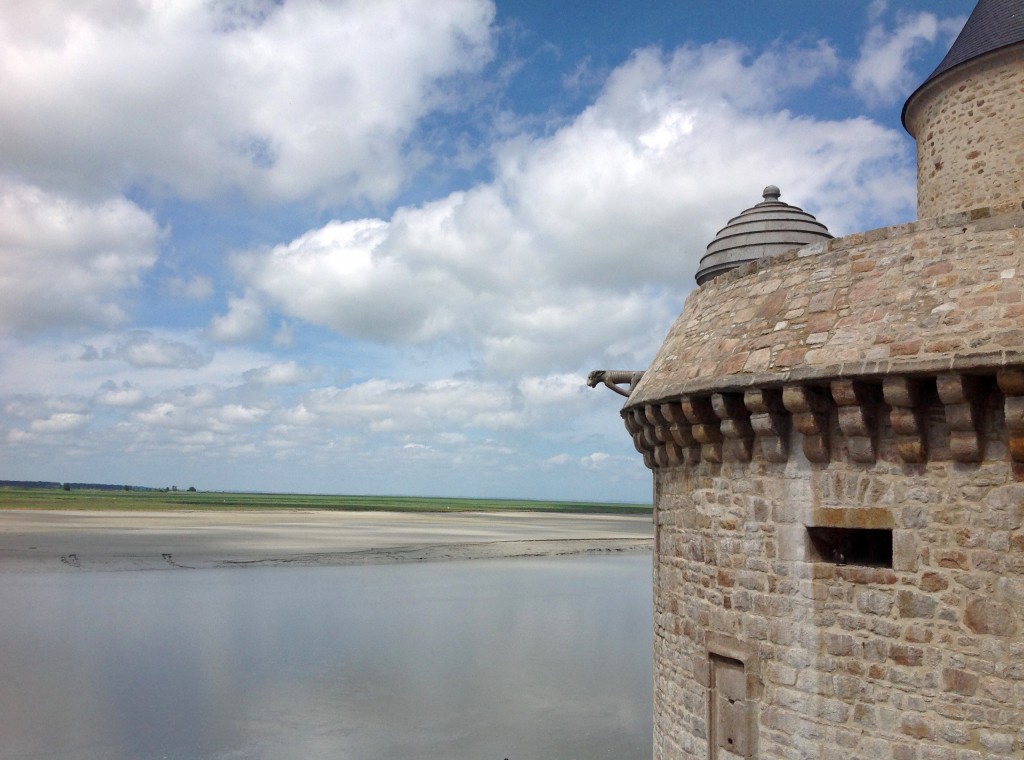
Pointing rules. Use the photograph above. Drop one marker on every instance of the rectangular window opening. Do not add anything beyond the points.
(867, 547)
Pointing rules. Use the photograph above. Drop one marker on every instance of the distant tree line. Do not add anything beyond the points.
(80, 486)
(28, 484)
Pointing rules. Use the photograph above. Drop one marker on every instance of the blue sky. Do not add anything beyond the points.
(375, 246)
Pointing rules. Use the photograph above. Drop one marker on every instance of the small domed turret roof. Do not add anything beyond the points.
(769, 228)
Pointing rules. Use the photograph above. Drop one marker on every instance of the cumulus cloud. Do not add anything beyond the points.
(575, 253)
(126, 395)
(586, 240)
(243, 321)
(387, 406)
(281, 373)
(281, 100)
(65, 422)
(142, 349)
(595, 460)
(66, 263)
(44, 418)
(39, 406)
(882, 74)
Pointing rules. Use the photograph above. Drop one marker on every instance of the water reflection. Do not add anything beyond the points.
(518, 659)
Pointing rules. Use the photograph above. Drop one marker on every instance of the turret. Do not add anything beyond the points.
(966, 117)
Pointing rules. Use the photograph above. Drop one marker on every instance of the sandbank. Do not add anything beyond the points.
(77, 541)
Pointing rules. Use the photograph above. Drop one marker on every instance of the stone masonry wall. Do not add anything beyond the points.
(970, 135)
(875, 382)
(924, 661)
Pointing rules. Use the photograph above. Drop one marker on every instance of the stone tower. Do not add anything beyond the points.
(836, 435)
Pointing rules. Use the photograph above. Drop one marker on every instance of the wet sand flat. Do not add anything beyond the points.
(70, 541)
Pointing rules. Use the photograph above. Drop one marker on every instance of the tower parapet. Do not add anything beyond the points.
(836, 438)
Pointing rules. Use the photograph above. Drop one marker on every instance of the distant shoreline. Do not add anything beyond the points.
(132, 498)
(77, 540)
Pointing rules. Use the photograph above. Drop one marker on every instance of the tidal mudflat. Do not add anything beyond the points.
(344, 638)
(111, 540)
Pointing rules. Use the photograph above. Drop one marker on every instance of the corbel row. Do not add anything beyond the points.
(740, 426)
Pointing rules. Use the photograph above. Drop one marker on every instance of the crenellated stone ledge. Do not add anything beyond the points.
(753, 424)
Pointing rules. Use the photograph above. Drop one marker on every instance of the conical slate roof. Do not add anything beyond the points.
(769, 228)
(993, 24)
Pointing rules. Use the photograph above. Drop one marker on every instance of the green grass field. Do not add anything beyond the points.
(51, 498)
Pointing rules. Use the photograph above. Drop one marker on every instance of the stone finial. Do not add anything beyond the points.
(771, 193)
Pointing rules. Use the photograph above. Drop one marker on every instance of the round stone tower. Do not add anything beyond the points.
(967, 116)
(836, 437)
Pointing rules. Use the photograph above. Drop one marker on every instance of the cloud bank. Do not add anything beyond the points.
(232, 251)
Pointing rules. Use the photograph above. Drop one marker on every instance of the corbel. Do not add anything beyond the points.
(737, 434)
(770, 423)
(667, 453)
(705, 427)
(810, 409)
(962, 397)
(903, 395)
(1011, 383)
(636, 424)
(682, 431)
(857, 406)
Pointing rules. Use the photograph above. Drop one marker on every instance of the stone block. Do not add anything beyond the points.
(995, 741)
(917, 727)
(793, 543)
(903, 654)
(990, 617)
(912, 604)
(959, 681)
(904, 550)
(873, 602)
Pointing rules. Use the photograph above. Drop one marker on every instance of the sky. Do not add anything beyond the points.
(375, 246)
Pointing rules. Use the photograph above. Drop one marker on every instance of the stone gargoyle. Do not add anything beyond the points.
(613, 378)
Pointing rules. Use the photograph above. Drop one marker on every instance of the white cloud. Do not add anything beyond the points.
(558, 460)
(882, 75)
(281, 373)
(576, 254)
(337, 276)
(39, 406)
(876, 9)
(386, 406)
(66, 422)
(125, 395)
(584, 244)
(281, 100)
(243, 321)
(65, 263)
(284, 336)
(239, 414)
(196, 288)
(142, 349)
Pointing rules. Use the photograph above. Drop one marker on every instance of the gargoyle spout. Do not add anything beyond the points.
(613, 378)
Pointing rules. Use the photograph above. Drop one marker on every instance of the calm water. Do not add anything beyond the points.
(522, 659)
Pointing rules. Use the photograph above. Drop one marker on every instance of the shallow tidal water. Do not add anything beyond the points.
(525, 659)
